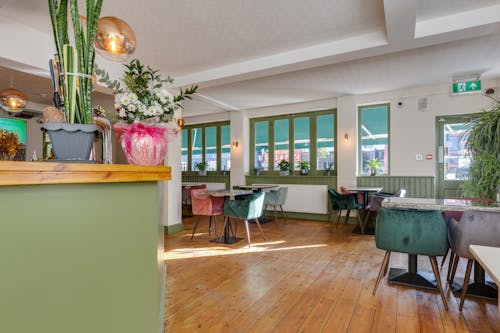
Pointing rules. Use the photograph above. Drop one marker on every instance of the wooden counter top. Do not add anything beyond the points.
(33, 173)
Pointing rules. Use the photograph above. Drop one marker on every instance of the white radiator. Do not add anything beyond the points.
(305, 198)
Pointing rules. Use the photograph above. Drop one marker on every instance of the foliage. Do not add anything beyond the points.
(284, 165)
(75, 63)
(9, 145)
(304, 165)
(484, 148)
(201, 166)
(143, 96)
(374, 164)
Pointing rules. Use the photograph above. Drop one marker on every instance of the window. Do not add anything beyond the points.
(373, 137)
(304, 137)
(209, 143)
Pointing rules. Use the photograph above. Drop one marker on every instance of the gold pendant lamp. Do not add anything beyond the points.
(12, 100)
(115, 40)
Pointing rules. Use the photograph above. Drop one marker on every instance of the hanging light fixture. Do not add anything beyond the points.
(114, 40)
(12, 100)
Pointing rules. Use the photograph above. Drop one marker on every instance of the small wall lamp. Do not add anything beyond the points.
(235, 144)
(346, 137)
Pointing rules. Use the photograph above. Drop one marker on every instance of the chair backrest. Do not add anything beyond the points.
(376, 202)
(341, 201)
(200, 203)
(411, 231)
(282, 193)
(475, 227)
(248, 208)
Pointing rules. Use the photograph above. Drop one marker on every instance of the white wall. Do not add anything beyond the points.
(411, 131)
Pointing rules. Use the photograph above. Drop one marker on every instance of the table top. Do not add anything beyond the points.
(488, 257)
(226, 193)
(192, 184)
(439, 204)
(364, 189)
(257, 187)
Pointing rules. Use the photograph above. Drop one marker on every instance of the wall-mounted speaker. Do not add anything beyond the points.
(423, 104)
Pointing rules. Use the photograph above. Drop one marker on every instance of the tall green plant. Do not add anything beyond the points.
(77, 97)
(484, 148)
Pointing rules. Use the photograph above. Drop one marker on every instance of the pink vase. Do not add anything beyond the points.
(143, 143)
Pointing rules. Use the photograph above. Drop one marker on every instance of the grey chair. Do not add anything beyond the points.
(276, 198)
(376, 203)
(476, 228)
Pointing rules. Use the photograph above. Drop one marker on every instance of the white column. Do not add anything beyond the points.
(172, 194)
(239, 155)
(346, 151)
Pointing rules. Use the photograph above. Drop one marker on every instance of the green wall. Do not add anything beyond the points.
(79, 258)
(416, 186)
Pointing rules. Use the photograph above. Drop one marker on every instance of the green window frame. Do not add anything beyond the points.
(379, 117)
(222, 145)
(289, 140)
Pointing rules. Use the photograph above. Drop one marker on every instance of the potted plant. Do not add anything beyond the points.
(374, 165)
(483, 144)
(284, 167)
(328, 171)
(304, 167)
(72, 74)
(202, 168)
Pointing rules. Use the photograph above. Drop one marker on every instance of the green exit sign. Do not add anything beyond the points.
(464, 87)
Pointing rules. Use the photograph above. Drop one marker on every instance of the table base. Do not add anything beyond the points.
(368, 230)
(418, 279)
(488, 290)
(228, 240)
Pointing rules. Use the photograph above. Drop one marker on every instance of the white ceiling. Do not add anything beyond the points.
(248, 54)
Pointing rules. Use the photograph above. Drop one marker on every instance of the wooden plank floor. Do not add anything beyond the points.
(305, 277)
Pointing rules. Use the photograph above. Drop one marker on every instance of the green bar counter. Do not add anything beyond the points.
(81, 248)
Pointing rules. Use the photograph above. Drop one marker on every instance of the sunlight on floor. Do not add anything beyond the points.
(220, 250)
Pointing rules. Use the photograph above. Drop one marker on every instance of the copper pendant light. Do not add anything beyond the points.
(12, 100)
(115, 40)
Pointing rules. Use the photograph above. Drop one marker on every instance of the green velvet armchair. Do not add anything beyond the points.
(250, 208)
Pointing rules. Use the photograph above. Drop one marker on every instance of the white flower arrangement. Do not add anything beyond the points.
(144, 97)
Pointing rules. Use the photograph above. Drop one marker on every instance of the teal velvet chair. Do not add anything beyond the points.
(339, 202)
(249, 208)
(276, 198)
(416, 232)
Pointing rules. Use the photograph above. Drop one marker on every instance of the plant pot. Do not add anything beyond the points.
(284, 173)
(71, 142)
(202, 173)
(373, 172)
(144, 143)
(304, 172)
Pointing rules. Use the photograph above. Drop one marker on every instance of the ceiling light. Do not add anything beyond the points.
(114, 40)
(12, 100)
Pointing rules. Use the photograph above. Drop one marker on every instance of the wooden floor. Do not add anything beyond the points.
(306, 277)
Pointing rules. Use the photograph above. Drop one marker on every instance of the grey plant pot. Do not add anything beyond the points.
(284, 173)
(202, 173)
(71, 142)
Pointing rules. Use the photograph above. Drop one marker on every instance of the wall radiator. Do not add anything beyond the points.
(305, 198)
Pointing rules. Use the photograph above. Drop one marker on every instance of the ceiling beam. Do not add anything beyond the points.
(400, 19)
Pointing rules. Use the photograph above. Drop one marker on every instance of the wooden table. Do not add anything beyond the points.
(257, 188)
(489, 258)
(425, 280)
(226, 238)
(365, 191)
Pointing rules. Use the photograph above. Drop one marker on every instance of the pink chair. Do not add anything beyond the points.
(206, 205)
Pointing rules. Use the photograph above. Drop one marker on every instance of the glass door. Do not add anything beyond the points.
(453, 160)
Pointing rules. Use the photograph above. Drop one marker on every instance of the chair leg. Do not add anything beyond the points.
(347, 216)
(387, 265)
(450, 265)
(275, 214)
(466, 283)
(215, 227)
(260, 228)
(248, 233)
(444, 258)
(338, 216)
(283, 213)
(209, 226)
(381, 272)
(453, 269)
(367, 218)
(360, 220)
(435, 269)
(226, 221)
(195, 226)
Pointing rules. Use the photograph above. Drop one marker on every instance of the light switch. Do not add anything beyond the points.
(419, 157)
